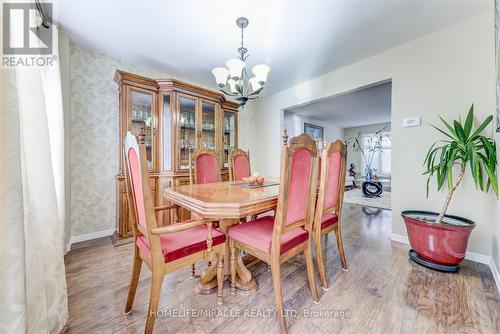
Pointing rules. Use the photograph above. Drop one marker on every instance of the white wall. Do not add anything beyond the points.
(438, 74)
(294, 124)
(356, 157)
(495, 226)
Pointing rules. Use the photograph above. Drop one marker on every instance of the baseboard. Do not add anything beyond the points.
(496, 274)
(89, 236)
(476, 257)
(400, 238)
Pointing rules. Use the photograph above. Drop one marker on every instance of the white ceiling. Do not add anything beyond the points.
(298, 39)
(365, 106)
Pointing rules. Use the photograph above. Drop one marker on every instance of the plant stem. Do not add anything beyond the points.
(450, 194)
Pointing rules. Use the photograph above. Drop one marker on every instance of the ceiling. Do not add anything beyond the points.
(298, 39)
(371, 105)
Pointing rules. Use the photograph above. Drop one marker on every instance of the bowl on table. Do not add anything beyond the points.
(253, 180)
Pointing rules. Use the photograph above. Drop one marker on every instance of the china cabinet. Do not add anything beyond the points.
(175, 117)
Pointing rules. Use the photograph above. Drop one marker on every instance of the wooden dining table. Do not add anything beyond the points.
(227, 202)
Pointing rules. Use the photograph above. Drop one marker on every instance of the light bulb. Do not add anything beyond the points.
(235, 67)
(220, 74)
(261, 72)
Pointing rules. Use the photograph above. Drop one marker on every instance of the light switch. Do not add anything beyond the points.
(412, 121)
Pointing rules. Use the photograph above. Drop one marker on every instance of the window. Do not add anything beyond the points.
(381, 159)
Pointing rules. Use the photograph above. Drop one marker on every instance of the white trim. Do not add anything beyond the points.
(480, 258)
(400, 238)
(476, 257)
(89, 236)
(496, 274)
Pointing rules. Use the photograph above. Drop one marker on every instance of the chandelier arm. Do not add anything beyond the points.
(230, 94)
(257, 91)
(239, 89)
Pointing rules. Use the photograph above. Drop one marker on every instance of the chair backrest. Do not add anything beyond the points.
(239, 165)
(332, 179)
(298, 184)
(204, 166)
(140, 201)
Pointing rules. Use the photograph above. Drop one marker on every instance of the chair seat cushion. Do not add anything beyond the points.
(329, 219)
(180, 244)
(258, 234)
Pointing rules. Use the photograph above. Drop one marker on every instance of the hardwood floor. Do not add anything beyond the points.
(383, 292)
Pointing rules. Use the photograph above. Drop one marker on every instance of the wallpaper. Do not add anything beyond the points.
(94, 137)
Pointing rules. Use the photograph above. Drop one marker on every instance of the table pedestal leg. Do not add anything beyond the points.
(244, 282)
(208, 280)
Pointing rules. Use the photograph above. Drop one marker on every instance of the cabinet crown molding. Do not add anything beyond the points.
(123, 77)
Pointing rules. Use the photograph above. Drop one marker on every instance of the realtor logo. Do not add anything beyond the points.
(25, 31)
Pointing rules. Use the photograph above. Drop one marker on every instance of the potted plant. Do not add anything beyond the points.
(438, 240)
(373, 145)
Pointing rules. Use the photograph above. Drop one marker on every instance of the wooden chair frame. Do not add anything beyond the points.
(318, 232)
(192, 166)
(234, 153)
(156, 262)
(275, 258)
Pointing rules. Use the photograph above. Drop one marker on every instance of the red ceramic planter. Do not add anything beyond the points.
(441, 244)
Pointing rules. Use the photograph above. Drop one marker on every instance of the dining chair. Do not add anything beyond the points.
(239, 165)
(164, 249)
(329, 204)
(276, 239)
(204, 166)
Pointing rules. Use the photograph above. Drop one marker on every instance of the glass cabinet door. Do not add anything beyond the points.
(207, 125)
(167, 132)
(229, 135)
(142, 120)
(187, 129)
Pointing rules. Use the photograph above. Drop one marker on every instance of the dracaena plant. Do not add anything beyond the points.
(463, 146)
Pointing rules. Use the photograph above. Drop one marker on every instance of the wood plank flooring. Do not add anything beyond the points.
(383, 292)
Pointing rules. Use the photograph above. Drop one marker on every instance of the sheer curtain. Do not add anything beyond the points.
(33, 294)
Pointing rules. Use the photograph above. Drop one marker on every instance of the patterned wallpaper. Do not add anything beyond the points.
(94, 137)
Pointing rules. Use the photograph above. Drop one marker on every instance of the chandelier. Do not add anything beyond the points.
(234, 80)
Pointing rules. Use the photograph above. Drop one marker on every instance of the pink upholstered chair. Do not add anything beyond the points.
(277, 239)
(239, 165)
(204, 166)
(168, 248)
(329, 204)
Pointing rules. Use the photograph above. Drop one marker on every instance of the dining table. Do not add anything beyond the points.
(229, 203)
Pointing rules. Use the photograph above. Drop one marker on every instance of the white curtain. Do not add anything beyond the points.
(33, 294)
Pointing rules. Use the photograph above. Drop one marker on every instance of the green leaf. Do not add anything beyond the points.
(492, 178)
(468, 121)
(460, 131)
(450, 128)
(482, 126)
(446, 134)
(480, 175)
